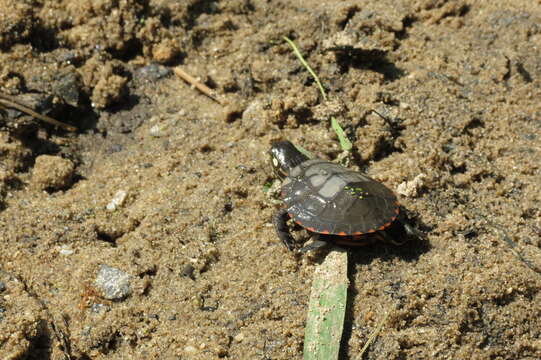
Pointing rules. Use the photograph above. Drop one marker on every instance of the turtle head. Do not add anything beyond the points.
(284, 157)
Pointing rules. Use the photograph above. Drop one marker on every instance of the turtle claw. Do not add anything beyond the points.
(282, 230)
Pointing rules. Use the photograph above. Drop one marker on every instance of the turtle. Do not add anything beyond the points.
(332, 201)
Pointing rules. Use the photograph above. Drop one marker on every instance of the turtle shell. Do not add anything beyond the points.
(328, 198)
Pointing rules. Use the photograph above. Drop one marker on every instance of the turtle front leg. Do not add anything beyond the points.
(408, 228)
(282, 230)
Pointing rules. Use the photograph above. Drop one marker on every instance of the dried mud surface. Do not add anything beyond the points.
(457, 81)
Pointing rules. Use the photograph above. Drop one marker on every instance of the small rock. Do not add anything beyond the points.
(109, 90)
(52, 172)
(254, 117)
(239, 337)
(99, 308)
(188, 271)
(166, 51)
(158, 130)
(411, 188)
(405, 106)
(153, 72)
(66, 251)
(190, 349)
(2, 286)
(68, 88)
(114, 283)
(117, 200)
(355, 44)
(252, 112)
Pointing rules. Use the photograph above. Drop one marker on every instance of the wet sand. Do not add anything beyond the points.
(458, 84)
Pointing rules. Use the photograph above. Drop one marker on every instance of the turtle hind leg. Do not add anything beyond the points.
(282, 230)
(316, 244)
(392, 239)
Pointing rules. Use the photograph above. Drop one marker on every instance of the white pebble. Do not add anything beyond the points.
(411, 188)
(66, 251)
(239, 337)
(159, 130)
(117, 200)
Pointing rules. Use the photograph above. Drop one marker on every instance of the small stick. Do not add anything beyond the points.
(200, 86)
(374, 334)
(510, 244)
(8, 101)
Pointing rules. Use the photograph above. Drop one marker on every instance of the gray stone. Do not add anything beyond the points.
(113, 283)
(99, 308)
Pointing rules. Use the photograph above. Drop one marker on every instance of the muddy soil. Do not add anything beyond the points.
(166, 188)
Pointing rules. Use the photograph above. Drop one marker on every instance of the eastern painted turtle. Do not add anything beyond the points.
(329, 199)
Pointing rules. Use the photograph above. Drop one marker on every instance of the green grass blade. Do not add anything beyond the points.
(344, 141)
(345, 144)
(305, 152)
(328, 298)
(312, 72)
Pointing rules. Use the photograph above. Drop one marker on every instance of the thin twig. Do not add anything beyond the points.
(200, 86)
(8, 101)
(301, 59)
(510, 244)
(374, 334)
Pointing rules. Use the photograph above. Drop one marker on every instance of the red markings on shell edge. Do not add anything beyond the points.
(397, 210)
(382, 227)
(301, 224)
(343, 233)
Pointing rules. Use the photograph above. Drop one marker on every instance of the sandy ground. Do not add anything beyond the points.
(206, 277)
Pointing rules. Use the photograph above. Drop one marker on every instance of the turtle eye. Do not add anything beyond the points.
(277, 167)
